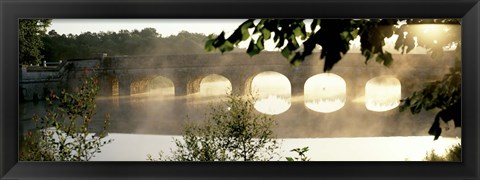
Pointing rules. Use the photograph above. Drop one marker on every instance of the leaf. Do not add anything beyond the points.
(388, 59)
(385, 59)
(297, 59)
(281, 40)
(286, 52)
(260, 43)
(367, 54)
(354, 34)
(399, 43)
(344, 34)
(266, 33)
(314, 24)
(252, 49)
(244, 29)
(387, 31)
(409, 42)
(236, 37)
(220, 40)
(292, 43)
(299, 32)
(227, 46)
(289, 159)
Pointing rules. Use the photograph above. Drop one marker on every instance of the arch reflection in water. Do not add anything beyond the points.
(325, 92)
(274, 92)
(382, 93)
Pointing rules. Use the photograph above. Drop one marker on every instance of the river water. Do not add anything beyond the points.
(146, 123)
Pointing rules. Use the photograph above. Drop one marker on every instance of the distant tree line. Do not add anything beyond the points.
(137, 42)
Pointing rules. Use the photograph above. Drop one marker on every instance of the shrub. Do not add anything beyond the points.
(301, 152)
(232, 131)
(454, 153)
(63, 133)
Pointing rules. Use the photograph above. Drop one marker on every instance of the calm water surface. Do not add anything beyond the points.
(146, 123)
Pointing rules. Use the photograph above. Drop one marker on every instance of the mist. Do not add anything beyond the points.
(159, 111)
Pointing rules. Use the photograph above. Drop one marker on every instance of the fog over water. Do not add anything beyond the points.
(148, 121)
(160, 112)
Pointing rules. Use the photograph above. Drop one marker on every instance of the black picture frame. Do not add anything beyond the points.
(11, 11)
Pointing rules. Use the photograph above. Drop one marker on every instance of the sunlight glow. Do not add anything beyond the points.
(215, 85)
(325, 92)
(272, 105)
(161, 86)
(382, 93)
(433, 32)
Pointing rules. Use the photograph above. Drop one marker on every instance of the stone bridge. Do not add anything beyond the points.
(119, 74)
(187, 71)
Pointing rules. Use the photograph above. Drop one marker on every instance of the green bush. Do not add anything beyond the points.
(301, 152)
(232, 131)
(454, 153)
(63, 133)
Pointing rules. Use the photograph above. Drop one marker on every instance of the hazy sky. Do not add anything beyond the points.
(168, 27)
(165, 27)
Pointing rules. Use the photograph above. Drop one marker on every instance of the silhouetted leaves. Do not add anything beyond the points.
(254, 49)
(444, 94)
(452, 112)
(334, 36)
(331, 40)
(385, 59)
(301, 154)
(439, 94)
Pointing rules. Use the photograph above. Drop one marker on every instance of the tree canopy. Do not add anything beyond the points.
(136, 42)
(298, 38)
(30, 32)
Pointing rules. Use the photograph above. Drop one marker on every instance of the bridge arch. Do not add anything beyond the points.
(109, 85)
(198, 82)
(152, 85)
(273, 91)
(139, 86)
(325, 92)
(161, 86)
(382, 93)
(215, 85)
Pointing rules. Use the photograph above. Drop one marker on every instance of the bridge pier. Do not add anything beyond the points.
(181, 90)
(298, 88)
(182, 85)
(298, 77)
(124, 83)
(241, 85)
(106, 86)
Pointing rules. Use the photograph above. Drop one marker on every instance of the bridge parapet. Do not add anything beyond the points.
(265, 58)
(35, 82)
